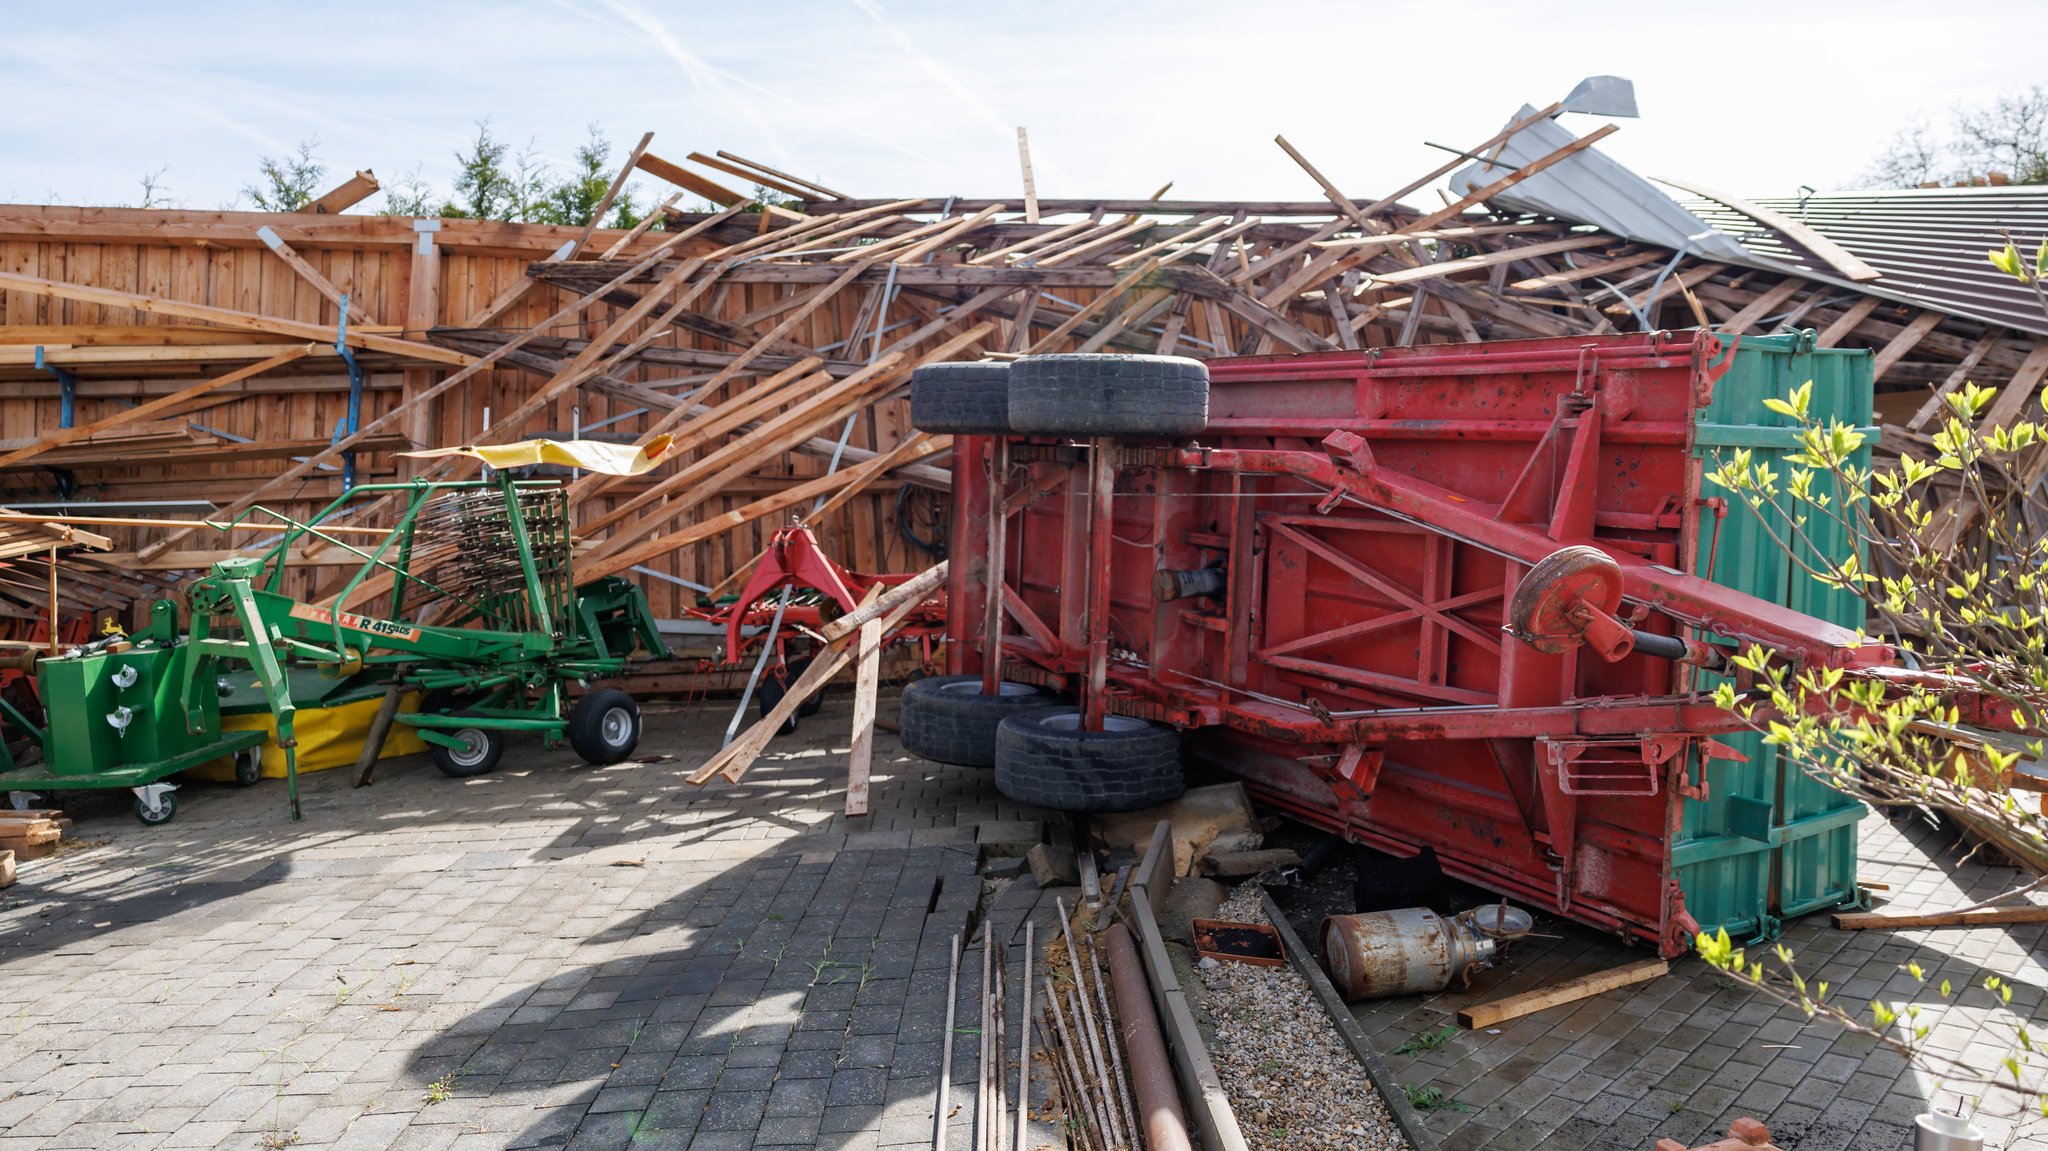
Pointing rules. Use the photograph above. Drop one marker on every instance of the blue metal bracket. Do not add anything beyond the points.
(67, 389)
(355, 397)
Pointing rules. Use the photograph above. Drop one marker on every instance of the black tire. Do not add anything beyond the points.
(946, 719)
(249, 766)
(604, 726)
(1044, 758)
(1104, 395)
(486, 746)
(775, 684)
(969, 399)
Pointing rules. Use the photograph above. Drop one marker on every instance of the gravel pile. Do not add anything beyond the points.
(1293, 1082)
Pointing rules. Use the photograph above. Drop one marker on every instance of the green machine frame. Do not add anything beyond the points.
(506, 643)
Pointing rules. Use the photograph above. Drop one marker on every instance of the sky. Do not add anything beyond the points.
(901, 97)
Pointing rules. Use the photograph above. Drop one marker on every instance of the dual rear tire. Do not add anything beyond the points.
(1040, 752)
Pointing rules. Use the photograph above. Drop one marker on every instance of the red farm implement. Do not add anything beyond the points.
(1435, 597)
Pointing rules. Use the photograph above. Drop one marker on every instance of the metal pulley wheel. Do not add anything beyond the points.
(1569, 599)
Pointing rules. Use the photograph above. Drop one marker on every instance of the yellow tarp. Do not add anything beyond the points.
(590, 455)
(328, 737)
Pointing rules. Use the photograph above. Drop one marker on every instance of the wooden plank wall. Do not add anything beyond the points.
(213, 258)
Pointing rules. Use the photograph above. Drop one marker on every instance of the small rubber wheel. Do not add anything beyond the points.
(167, 806)
(946, 718)
(481, 747)
(249, 767)
(1045, 758)
(604, 726)
(968, 399)
(1109, 395)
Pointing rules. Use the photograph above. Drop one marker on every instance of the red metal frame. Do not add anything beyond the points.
(1372, 514)
(795, 560)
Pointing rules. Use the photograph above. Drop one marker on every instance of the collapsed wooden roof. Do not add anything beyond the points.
(760, 337)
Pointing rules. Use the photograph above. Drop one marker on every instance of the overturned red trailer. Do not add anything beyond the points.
(1452, 597)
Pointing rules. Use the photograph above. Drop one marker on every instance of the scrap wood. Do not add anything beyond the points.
(1981, 917)
(311, 275)
(228, 318)
(473, 365)
(1570, 991)
(60, 436)
(345, 195)
(893, 606)
(867, 681)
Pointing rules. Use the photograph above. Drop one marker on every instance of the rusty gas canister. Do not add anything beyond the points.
(1411, 951)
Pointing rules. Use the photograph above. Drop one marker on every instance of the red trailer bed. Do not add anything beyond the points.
(1315, 590)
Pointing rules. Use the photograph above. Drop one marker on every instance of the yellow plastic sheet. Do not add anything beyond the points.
(590, 455)
(328, 737)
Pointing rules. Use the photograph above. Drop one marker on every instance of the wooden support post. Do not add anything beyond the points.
(992, 574)
(422, 311)
(1101, 529)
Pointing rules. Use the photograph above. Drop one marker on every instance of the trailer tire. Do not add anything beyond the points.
(486, 747)
(947, 719)
(1044, 758)
(775, 684)
(604, 726)
(249, 766)
(968, 398)
(1109, 395)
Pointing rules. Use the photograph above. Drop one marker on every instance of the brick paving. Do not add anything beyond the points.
(551, 956)
(1684, 1055)
(560, 956)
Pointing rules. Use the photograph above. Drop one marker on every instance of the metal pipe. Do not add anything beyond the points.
(1166, 1125)
(1109, 1040)
(946, 1056)
(1024, 1041)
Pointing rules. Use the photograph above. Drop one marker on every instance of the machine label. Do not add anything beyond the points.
(354, 622)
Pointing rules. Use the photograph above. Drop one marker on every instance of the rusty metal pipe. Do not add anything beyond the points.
(1159, 1109)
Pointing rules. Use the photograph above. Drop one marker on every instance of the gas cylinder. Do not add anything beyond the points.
(1413, 950)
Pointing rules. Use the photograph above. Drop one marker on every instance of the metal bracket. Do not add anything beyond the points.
(355, 397)
(67, 390)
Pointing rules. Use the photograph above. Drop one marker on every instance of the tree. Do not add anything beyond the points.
(483, 189)
(409, 195)
(286, 184)
(1973, 615)
(154, 193)
(573, 200)
(2008, 135)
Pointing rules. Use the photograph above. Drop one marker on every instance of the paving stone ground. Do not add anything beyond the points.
(551, 956)
(1684, 1055)
(560, 956)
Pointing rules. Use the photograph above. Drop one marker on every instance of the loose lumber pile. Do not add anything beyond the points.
(774, 341)
(30, 835)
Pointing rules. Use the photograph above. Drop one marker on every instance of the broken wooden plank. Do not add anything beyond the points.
(1981, 917)
(1908, 338)
(1845, 324)
(344, 196)
(1763, 305)
(860, 756)
(227, 318)
(307, 272)
(1570, 991)
(690, 181)
(1484, 260)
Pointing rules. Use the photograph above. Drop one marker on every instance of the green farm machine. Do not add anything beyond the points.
(482, 615)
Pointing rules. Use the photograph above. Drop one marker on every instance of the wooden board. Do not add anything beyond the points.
(1570, 991)
(1880, 921)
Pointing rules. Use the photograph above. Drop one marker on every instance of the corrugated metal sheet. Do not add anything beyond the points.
(1770, 842)
(1589, 188)
(1928, 242)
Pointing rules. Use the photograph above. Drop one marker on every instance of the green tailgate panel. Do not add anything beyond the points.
(1771, 842)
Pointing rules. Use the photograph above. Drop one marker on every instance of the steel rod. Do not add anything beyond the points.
(1024, 1041)
(1091, 1056)
(1085, 1019)
(1088, 1103)
(945, 1097)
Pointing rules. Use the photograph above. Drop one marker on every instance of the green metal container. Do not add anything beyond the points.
(1770, 842)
